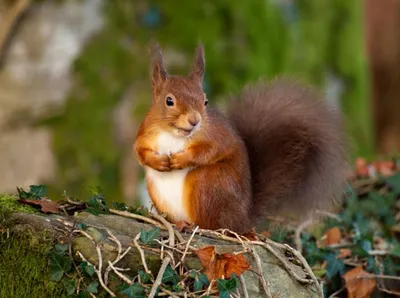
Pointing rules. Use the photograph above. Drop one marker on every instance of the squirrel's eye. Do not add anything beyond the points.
(169, 101)
(206, 102)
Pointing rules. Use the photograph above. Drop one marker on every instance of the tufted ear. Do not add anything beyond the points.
(198, 67)
(158, 73)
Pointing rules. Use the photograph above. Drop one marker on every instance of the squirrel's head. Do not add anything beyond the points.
(179, 103)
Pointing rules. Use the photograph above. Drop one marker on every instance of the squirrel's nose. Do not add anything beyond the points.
(193, 122)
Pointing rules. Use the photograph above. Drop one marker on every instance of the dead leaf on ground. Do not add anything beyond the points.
(344, 253)
(359, 287)
(184, 226)
(218, 266)
(46, 205)
(332, 236)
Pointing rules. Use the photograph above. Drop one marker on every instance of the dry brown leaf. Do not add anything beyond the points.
(361, 167)
(184, 226)
(46, 206)
(359, 287)
(236, 264)
(344, 253)
(218, 266)
(332, 236)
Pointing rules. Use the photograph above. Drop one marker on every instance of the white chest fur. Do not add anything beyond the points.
(169, 185)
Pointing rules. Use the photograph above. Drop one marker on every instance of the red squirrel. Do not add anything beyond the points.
(278, 149)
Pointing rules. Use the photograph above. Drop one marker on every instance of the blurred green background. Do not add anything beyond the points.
(321, 42)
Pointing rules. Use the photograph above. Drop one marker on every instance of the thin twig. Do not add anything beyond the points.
(168, 226)
(333, 295)
(307, 268)
(99, 272)
(188, 244)
(244, 287)
(160, 274)
(283, 262)
(123, 277)
(141, 252)
(137, 216)
(263, 281)
(380, 276)
(299, 230)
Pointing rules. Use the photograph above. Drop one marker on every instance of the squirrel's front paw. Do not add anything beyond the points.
(181, 160)
(160, 163)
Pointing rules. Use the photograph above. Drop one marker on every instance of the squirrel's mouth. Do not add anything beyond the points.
(184, 131)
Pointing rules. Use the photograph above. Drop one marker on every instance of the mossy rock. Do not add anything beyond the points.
(27, 237)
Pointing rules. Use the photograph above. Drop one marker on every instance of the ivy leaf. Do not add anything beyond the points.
(61, 248)
(170, 276)
(334, 267)
(144, 277)
(97, 204)
(203, 278)
(81, 226)
(70, 286)
(35, 192)
(226, 286)
(92, 287)
(198, 285)
(120, 206)
(86, 268)
(38, 190)
(58, 266)
(134, 291)
(149, 236)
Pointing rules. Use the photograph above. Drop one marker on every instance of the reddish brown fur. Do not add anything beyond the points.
(279, 150)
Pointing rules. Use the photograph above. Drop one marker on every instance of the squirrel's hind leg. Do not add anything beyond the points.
(217, 199)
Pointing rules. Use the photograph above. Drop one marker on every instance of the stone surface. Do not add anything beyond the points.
(126, 229)
(34, 82)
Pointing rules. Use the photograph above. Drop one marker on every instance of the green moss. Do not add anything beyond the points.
(9, 203)
(24, 269)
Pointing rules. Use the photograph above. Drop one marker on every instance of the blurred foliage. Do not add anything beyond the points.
(244, 40)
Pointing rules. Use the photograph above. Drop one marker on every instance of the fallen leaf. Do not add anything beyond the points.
(361, 167)
(218, 266)
(236, 264)
(266, 234)
(46, 205)
(344, 253)
(359, 287)
(206, 254)
(332, 236)
(184, 226)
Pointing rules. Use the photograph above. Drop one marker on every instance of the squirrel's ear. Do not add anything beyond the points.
(158, 73)
(199, 63)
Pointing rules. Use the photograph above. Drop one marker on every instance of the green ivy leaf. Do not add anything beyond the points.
(396, 251)
(198, 285)
(120, 206)
(134, 291)
(92, 287)
(70, 286)
(226, 286)
(170, 276)
(334, 266)
(149, 236)
(144, 277)
(35, 192)
(177, 288)
(61, 248)
(59, 264)
(38, 190)
(81, 226)
(204, 279)
(86, 268)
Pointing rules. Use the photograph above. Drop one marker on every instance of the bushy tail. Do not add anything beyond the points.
(296, 146)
